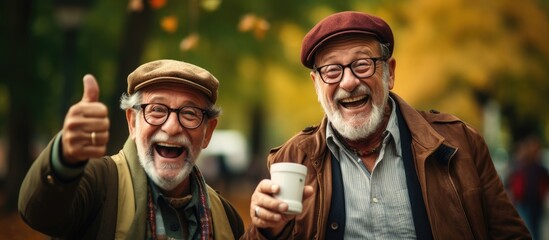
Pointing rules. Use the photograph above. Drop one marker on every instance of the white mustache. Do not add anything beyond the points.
(181, 140)
(362, 89)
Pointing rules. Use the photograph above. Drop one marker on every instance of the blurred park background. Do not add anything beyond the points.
(486, 61)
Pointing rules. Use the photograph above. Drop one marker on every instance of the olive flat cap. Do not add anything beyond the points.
(172, 71)
(340, 24)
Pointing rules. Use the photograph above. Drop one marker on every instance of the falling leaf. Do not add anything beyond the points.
(247, 22)
(189, 42)
(135, 5)
(157, 4)
(261, 28)
(210, 5)
(258, 25)
(169, 24)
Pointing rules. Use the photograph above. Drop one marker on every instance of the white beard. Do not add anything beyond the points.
(146, 159)
(361, 125)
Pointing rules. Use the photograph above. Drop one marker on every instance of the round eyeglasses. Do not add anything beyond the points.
(361, 68)
(157, 114)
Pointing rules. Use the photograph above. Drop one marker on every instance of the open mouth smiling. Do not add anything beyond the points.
(354, 102)
(169, 150)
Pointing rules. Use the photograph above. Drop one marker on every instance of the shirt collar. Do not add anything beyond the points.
(392, 127)
(157, 194)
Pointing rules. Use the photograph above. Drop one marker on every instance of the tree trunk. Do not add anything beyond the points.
(19, 157)
(132, 45)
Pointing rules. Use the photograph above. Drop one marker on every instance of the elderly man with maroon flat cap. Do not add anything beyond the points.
(151, 189)
(376, 167)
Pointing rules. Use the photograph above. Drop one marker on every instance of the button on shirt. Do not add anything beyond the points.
(377, 204)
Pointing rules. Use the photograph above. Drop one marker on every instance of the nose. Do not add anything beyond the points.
(172, 125)
(348, 81)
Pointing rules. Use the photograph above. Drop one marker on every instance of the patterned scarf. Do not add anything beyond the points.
(204, 211)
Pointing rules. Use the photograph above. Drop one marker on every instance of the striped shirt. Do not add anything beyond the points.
(377, 204)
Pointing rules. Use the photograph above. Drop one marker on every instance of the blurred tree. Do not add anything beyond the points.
(455, 51)
(452, 55)
(132, 44)
(17, 76)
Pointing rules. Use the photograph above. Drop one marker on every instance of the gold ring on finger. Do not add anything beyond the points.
(256, 211)
(93, 138)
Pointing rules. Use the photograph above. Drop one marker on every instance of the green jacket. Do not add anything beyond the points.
(88, 207)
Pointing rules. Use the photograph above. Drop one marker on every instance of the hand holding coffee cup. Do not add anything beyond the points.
(291, 179)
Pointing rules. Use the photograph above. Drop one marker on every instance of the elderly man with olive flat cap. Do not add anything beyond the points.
(151, 189)
(378, 168)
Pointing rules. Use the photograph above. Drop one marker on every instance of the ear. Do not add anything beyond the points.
(317, 85)
(210, 127)
(131, 117)
(392, 67)
(313, 76)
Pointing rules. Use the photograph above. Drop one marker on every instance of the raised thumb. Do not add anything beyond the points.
(91, 89)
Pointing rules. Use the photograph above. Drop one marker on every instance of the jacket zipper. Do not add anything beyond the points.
(321, 230)
(457, 194)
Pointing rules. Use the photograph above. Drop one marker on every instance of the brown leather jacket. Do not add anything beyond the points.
(464, 197)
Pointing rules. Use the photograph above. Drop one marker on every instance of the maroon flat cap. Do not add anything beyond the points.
(344, 23)
(165, 70)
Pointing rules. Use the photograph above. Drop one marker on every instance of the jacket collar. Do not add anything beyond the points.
(139, 180)
(315, 146)
(425, 140)
(422, 132)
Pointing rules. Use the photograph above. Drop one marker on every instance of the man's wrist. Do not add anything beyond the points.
(61, 168)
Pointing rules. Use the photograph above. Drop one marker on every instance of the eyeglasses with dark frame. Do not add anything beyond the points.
(361, 68)
(156, 114)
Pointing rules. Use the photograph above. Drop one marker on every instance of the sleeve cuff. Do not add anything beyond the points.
(61, 169)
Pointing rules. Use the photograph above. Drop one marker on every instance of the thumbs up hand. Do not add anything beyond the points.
(86, 127)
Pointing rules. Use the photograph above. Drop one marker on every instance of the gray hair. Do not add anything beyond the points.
(128, 101)
(385, 54)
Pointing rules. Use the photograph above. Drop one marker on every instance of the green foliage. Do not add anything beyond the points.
(497, 48)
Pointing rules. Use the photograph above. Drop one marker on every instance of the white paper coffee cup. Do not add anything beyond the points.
(291, 179)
